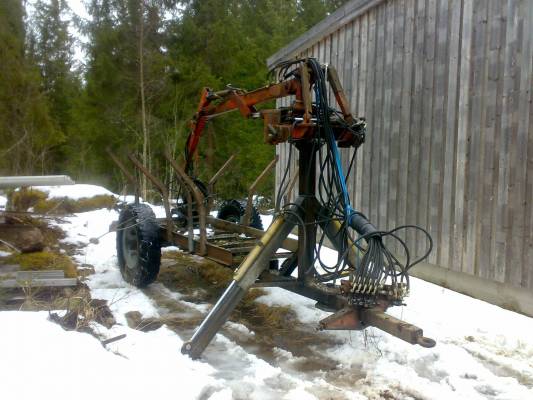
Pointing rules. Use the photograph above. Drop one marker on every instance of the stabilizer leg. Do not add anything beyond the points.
(244, 278)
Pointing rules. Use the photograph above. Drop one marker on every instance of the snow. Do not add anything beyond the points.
(482, 351)
(41, 360)
(3, 202)
(75, 192)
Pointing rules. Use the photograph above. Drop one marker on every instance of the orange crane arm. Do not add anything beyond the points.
(217, 103)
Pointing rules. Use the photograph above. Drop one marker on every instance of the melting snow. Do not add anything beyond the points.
(482, 352)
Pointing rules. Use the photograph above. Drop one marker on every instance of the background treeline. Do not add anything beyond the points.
(144, 66)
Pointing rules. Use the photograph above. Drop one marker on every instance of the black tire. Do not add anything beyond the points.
(233, 211)
(138, 245)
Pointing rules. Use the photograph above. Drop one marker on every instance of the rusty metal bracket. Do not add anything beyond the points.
(213, 181)
(396, 327)
(129, 177)
(251, 191)
(345, 319)
(358, 318)
(340, 96)
(198, 196)
(162, 189)
(290, 188)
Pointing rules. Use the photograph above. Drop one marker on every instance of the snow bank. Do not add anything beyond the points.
(75, 192)
(64, 365)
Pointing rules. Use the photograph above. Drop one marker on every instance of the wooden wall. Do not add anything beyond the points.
(446, 90)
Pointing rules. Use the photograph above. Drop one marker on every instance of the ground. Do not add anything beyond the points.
(482, 352)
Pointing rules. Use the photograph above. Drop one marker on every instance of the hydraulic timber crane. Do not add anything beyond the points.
(367, 276)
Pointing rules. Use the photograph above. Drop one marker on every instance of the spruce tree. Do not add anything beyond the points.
(27, 132)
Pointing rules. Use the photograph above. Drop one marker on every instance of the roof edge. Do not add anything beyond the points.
(334, 21)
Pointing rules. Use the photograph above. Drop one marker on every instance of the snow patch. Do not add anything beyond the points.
(75, 192)
(66, 364)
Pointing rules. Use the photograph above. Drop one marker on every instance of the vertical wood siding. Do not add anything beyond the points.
(445, 86)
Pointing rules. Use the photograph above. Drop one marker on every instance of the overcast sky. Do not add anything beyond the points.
(79, 9)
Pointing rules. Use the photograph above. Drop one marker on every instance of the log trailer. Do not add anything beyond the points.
(367, 277)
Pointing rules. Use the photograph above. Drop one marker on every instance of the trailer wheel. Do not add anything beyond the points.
(138, 246)
(233, 211)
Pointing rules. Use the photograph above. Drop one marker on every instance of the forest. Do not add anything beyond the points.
(143, 67)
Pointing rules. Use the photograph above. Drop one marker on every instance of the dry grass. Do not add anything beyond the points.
(81, 311)
(190, 274)
(26, 198)
(44, 260)
(69, 206)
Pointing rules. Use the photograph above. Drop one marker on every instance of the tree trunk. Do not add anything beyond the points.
(143, 102)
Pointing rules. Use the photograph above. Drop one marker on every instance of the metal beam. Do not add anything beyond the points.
(43, 180)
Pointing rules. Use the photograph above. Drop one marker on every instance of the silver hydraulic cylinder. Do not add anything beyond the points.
(245, 276)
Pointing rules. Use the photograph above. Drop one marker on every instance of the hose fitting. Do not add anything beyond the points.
(361, 224)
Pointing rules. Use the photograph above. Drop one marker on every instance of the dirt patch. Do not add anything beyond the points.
(81, 311)
(199, 280)
(136, 321)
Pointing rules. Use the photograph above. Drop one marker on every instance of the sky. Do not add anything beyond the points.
(78, 8)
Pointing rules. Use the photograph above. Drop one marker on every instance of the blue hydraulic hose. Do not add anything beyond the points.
(348, 210)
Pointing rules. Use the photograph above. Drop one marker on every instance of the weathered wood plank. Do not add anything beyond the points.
(413, 169)
(52, 282)
(338, 64)
(405, 108)
(28, 275)
(351, 72)
(528, 237)
(474, 158)
(507, 151)
(497, 269)
(395, 114)
(462, 133)
(361, 104)
(426, 125)
(347, 67)
(369, 108)
(450, 129)
(524, 77)
(376, 122)
(486, 237)
(440, 75)
(386, 114)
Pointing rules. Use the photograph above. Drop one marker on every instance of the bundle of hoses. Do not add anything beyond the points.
(378, 266)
